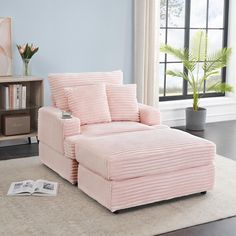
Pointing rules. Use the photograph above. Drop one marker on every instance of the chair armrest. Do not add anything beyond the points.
(52, 129)
(149, 115)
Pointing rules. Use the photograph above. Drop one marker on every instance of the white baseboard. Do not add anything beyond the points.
(218, 109)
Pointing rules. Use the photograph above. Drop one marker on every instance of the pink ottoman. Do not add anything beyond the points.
(131, 169)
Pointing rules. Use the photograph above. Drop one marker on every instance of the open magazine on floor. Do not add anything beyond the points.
(39, 187)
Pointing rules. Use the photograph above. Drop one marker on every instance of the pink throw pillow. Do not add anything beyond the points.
(89, 103)
(122, 102)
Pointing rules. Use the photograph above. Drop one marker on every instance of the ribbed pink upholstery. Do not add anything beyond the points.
(121, 164)
(123, 102)
(94, 130)
(149, 115)
(66, 168)
(69, 145)
(116, 195)
(112, 128)
(58, 82)
(134, 154)
(89, 103)
(53, 129)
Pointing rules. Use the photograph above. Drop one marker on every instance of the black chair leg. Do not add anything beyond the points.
(203, 193)
(29, 140)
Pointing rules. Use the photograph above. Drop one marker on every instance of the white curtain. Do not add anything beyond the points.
(146, 13)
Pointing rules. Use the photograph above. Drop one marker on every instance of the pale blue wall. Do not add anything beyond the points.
(73, 35)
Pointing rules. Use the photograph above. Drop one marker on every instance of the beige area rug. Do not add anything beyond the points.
(74, 213)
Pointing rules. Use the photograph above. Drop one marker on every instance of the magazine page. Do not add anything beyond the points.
(25, 187)
(45, 188)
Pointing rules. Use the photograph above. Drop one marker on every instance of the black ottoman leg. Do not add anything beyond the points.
(116, 212)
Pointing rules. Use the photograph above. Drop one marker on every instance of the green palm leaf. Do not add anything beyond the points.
(181, 54)
(178, 53)
(220, 87)
(198, 46)
(217, 60)
(176, 73)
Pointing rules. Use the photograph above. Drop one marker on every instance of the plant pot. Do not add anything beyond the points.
(195, 120)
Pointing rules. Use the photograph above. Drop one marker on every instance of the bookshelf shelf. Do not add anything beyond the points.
(30, 107)
(33, 133)
(34, 100)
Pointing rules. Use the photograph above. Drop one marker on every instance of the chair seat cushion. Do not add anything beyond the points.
(113, 127)
(102, 129)
(142, 153)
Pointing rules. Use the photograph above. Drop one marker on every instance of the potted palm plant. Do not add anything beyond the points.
(200, 70)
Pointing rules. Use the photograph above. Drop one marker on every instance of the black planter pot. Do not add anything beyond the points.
(195, 120)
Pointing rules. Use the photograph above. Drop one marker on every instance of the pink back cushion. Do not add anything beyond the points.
(58, 82)
(89, 103)
(123, 102)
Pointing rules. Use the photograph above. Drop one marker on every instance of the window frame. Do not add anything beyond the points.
(187, 29)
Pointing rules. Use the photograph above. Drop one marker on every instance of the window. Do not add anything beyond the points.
(179, 20)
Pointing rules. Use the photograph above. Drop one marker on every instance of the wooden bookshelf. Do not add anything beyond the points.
(33, 133)
(34, 100)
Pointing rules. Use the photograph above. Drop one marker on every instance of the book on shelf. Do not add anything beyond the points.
(5, 96)
(23, 94)
(14, 96)
(39, 187)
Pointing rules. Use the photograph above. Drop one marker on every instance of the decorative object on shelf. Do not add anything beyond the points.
(201, 71)
(26, 69)
(15, 124)
(5, 47)
(26, 51)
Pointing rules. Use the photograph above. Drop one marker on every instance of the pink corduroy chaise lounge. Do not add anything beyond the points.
(128, 159)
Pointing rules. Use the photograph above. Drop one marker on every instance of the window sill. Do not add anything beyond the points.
(218, 109)
(203, 102)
